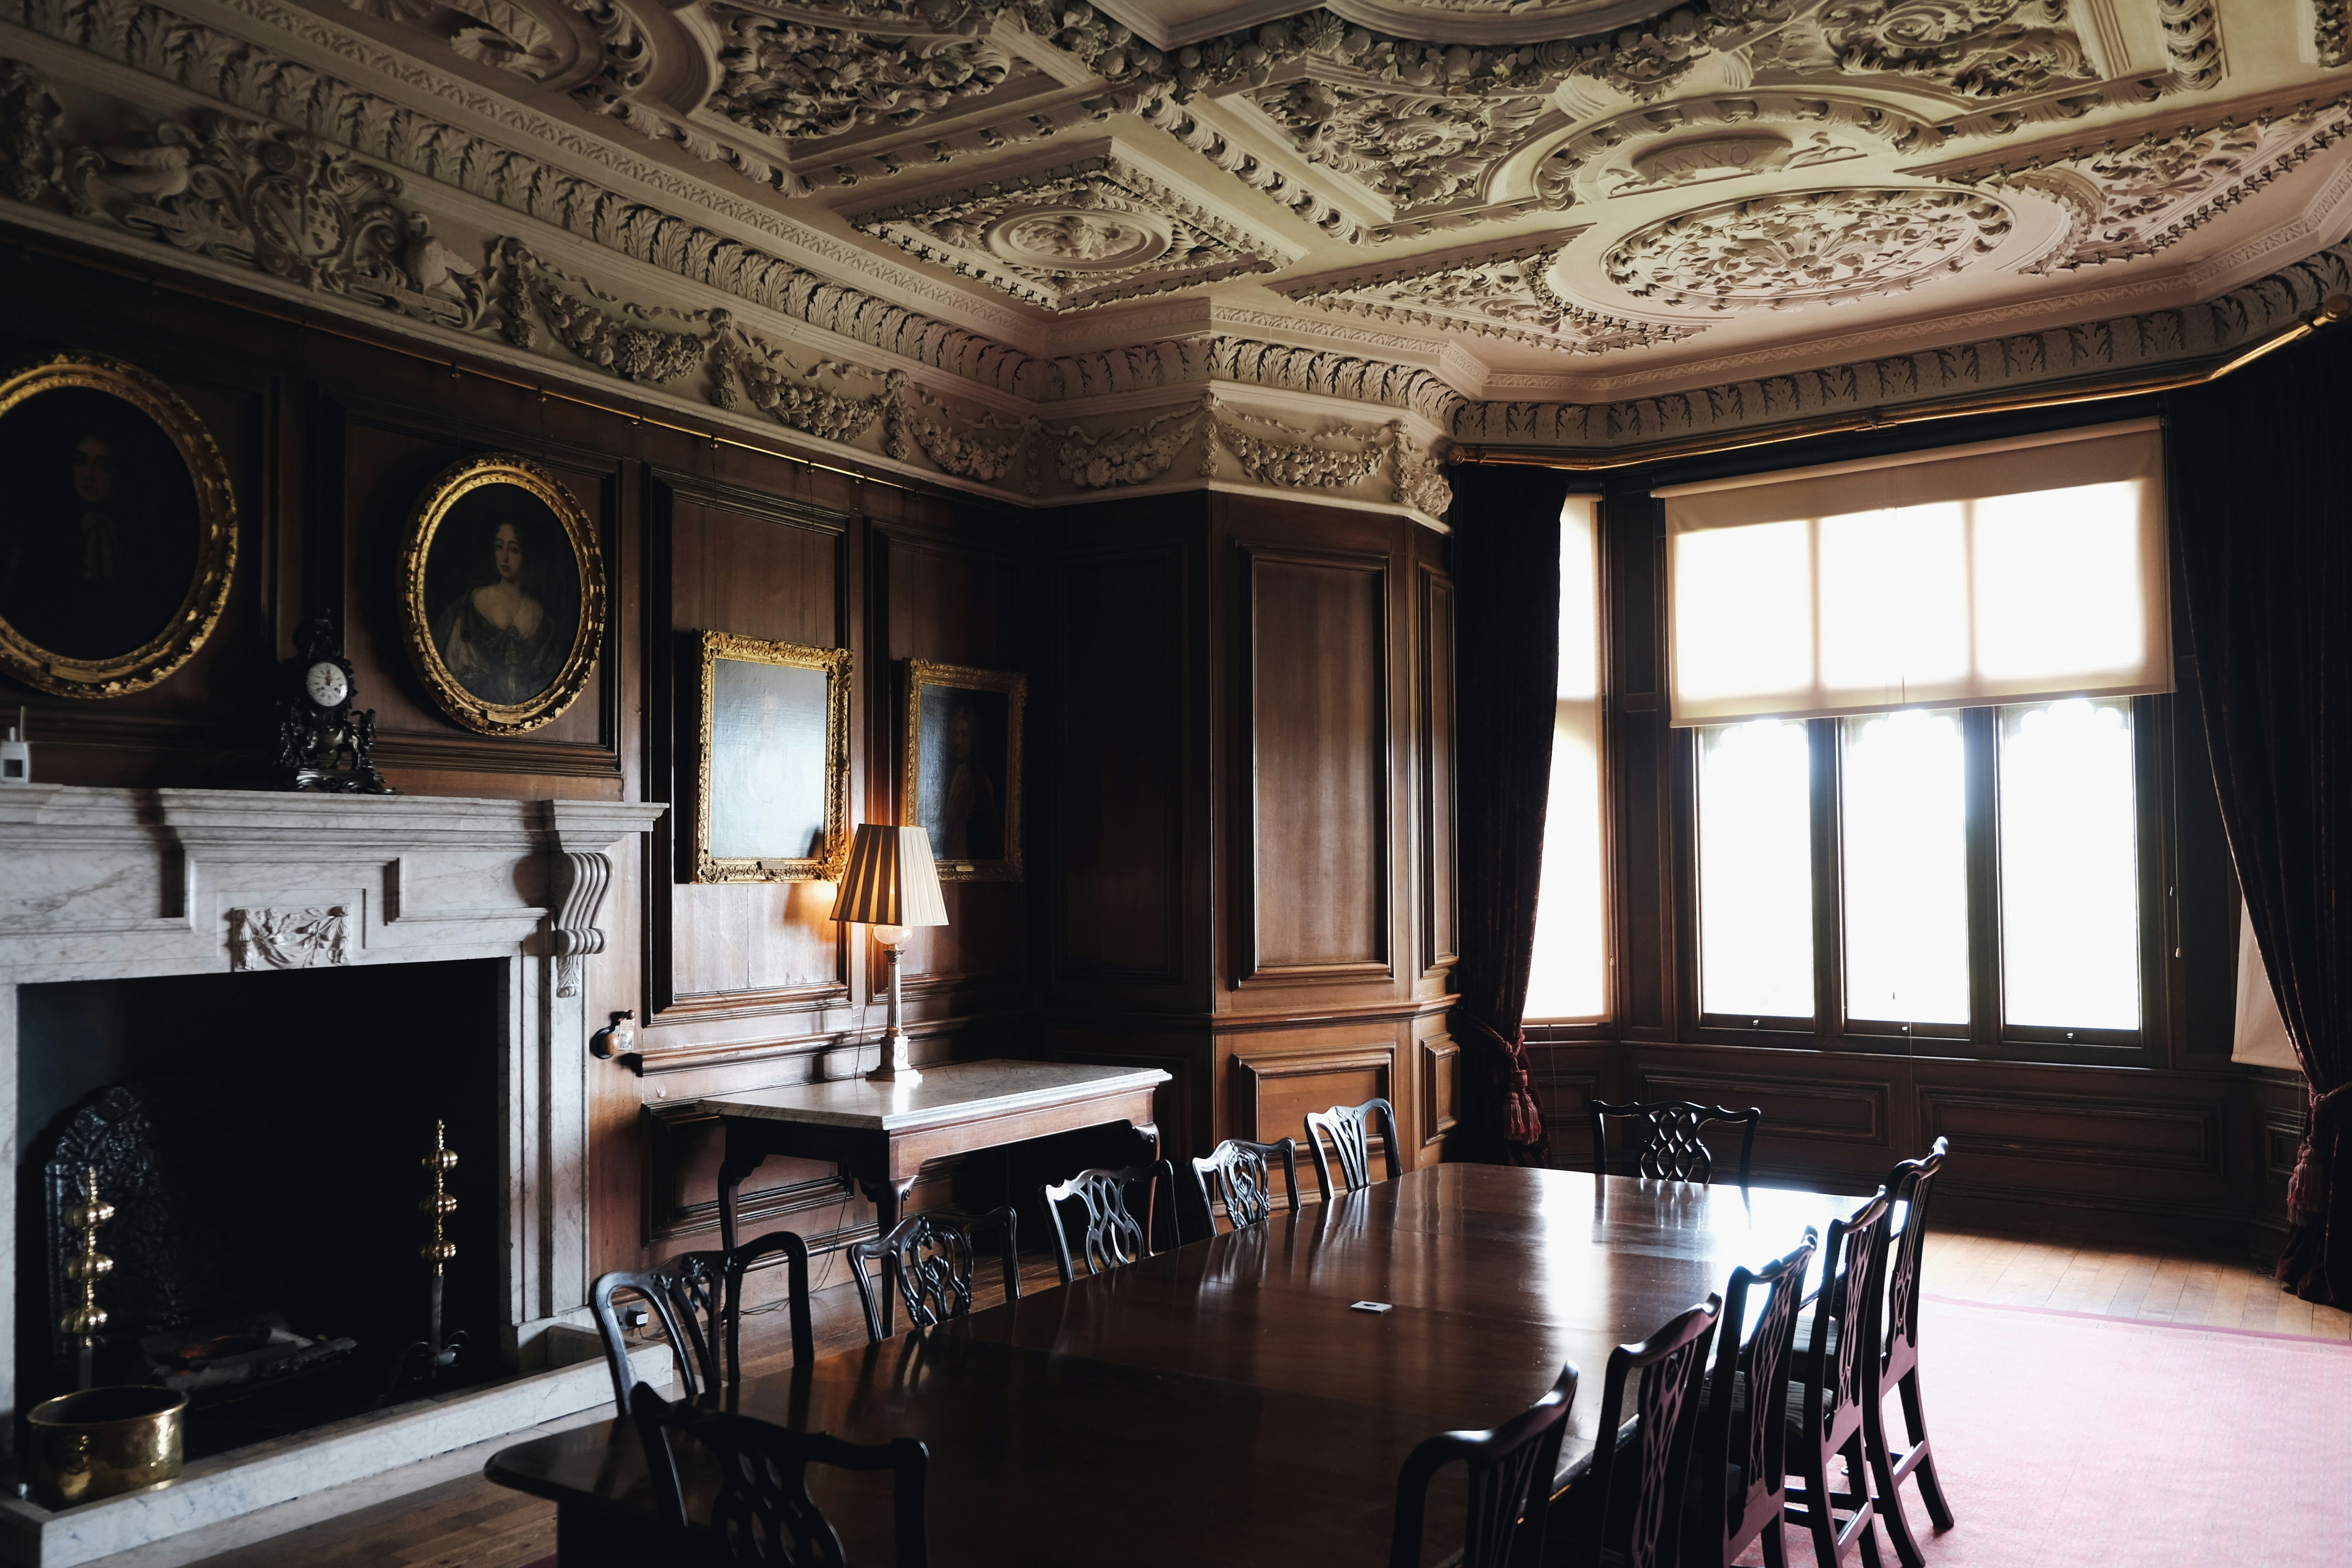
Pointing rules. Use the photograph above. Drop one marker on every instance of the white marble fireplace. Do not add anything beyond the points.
(125, 883)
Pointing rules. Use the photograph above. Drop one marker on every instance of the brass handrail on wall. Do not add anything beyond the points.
(2330, 310)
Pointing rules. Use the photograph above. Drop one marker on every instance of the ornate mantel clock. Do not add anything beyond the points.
(322, 744)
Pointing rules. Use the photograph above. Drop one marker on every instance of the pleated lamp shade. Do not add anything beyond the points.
(892, 879)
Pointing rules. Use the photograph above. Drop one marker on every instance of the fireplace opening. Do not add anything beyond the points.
(261, 1138)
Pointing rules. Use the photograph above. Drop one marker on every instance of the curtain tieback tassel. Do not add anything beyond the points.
(2304, 1188)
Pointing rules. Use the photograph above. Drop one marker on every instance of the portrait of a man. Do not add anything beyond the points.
(963, 767)
(101, 538)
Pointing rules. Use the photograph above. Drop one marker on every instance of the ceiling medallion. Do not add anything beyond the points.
(794, 81)
(1813, 246)
(1077, 234)
(1975, 48)
(1416, 151)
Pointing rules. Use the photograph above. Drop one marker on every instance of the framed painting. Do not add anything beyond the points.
(773, 800)
(962, 749)
(118, 537)
(502, 594)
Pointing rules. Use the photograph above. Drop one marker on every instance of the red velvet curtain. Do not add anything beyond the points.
(1507, 648)
(2263, 507)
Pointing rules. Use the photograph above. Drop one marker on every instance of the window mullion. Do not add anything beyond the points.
(1980, 734)
(1828, 934)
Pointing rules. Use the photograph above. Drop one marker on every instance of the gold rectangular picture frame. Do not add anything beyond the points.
(966, 840)
(733, 757)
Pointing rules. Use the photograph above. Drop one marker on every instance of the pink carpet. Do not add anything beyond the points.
(2073, 1441)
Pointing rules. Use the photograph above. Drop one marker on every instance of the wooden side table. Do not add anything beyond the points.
(884, 1131)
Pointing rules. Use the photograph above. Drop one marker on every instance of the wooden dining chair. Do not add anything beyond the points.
(930, 1258)
(761, 1511)
(1240, 1176)
(698, 1298)
(1112, 1235)
(1836, 1378)
(1739, 1460)
(1626, 1510)
(1510, 1472)
(1665, 1138)
(1910, 1183)
(1349, 1127)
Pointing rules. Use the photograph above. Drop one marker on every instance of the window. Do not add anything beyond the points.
(1569, 980)
(1912, 683)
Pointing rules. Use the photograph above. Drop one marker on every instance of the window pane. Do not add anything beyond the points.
(2069, 870)
(1569, 978)
(1905, 866)
(1743, 611)
(1756, 869)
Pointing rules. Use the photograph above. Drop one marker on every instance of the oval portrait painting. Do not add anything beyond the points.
(504, 594)
(119, 534)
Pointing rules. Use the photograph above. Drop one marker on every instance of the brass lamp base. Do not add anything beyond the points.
(898, 1064)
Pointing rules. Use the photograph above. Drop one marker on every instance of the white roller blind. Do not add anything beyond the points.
(2005, 572)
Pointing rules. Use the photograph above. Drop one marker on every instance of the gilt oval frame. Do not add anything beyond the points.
(206, 599)
(452, 483)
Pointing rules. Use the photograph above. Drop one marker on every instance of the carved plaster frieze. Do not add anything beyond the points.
(1500, 294)
(1803, 247)
(256, 195)
(1705, 140)
(1969, 49)
(1076, 234)
(2096, 348)
(1127, 454)
(1339, 456)
(2138, 198)
(1213, 144)
(1417, 150)
(975, 447)
(2331, 32)
(608, 332)
(794, 81)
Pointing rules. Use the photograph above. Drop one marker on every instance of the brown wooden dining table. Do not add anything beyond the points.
(1226, 1401)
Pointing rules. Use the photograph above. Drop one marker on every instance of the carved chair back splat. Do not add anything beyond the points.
(1740, 1456)
(1665, 1138)
(1511, 1468)
(1836, 1380)
(761, 1510)
(931, 1258)
(1637, 1517)
(1349, 1128)
(1112, 1235)
(1240, 1176)
(698, 1299)
(1911, 1182)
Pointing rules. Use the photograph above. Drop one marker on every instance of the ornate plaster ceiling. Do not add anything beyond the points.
(1475, 202)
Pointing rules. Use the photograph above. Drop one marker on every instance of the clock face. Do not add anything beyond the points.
(326, 684)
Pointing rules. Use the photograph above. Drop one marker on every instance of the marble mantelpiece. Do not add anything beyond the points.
(124, 883)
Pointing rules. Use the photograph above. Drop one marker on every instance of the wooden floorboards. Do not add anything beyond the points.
(470, 1523)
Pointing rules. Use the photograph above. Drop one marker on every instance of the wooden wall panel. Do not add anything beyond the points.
(1274, 1087)
(1319, 851)
(1127, 784)
(1433, 733)
(740, 562)
(2012, 1125)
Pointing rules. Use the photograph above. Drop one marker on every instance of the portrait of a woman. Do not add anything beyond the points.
(499, 584)
(499, 638)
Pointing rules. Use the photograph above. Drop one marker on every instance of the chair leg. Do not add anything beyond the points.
(1776, 1548)
(1857, 1469)
(1890, 1495)
(1820, 1516)
(1915, 1422)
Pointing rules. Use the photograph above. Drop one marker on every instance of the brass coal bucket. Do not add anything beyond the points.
(104, 1441)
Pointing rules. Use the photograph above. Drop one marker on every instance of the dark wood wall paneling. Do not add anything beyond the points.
(330, 444)
(1251, 855)
(2168, 1141)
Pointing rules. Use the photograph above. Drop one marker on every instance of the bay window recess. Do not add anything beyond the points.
(1914, 685)
(1569, 980)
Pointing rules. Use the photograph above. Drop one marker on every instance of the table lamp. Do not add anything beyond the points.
(891, 884)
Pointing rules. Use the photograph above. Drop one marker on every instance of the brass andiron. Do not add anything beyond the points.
(81, 1323)
(431, 1354)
